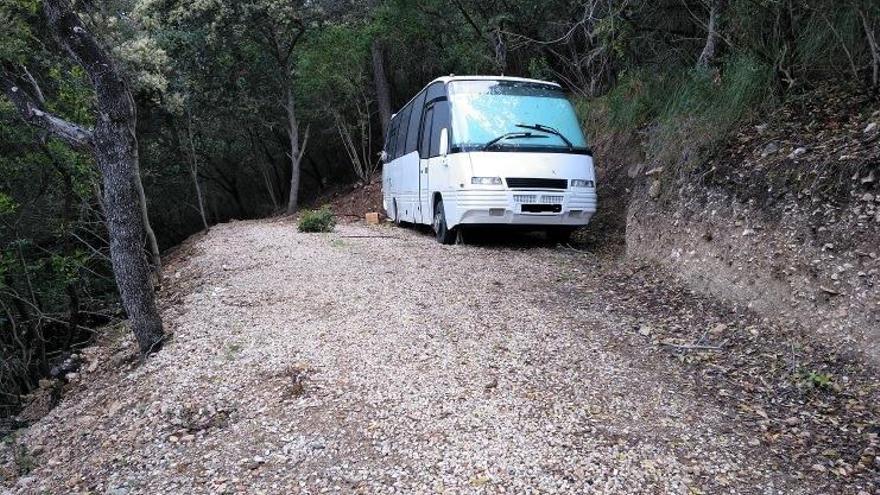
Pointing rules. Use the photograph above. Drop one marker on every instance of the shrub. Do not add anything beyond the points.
(320, 220)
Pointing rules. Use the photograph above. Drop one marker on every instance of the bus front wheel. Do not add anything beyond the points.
(396, 212)
(444, 234)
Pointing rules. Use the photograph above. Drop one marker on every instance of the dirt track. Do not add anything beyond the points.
(391, 364)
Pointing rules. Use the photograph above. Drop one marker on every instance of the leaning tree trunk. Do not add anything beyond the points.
(117, 156)
(194, 169)
(873, 47)
(114, 144)
(713, 35)
(383, 91)
(155, 256)
(295, 155)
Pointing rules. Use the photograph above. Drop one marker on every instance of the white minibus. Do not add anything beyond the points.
(477, 150)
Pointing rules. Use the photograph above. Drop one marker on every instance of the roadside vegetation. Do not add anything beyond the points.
(244, 109)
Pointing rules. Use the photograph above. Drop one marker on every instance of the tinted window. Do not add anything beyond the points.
(403, 124)
(436, 90)
(425, 141)
(392, 139)
(440, 121)
(412, 139)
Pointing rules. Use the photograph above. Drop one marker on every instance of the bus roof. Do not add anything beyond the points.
(451, 78)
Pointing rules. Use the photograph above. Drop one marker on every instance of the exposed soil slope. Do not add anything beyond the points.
(784, 219)
(374, 360)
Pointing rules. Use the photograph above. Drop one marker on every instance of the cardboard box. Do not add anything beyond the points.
(373, 218)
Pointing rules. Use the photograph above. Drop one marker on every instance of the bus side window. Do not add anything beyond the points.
(425, 141)
(402, 124)
(412, 138)
(440, 121)
(392, 140)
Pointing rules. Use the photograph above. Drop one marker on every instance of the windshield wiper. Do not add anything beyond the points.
(547, 129)
(512, 135)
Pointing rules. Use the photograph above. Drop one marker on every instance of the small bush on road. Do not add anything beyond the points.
(320, 220)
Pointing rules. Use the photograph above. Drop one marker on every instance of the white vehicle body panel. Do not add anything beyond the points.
(412, 185)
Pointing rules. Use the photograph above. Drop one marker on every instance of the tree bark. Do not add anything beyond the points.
(873, 47)
(713, 35)
(194, 169)
(383, 91)
(295, 156)
(152, 243)
(114, 145)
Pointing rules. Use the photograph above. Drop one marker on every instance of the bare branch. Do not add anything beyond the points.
(32, 112)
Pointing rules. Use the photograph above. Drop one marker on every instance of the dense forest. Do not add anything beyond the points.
(227, 109)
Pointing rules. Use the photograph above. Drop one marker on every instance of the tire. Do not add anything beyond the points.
(444, 234)
(396, 213)
(559, 235)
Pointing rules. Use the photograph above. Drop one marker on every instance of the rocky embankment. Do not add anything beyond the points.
(785, 220)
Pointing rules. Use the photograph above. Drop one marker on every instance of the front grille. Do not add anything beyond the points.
(527, 183)
(525, 198)
(551, 199)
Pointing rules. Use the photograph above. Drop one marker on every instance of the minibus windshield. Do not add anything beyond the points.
(513, 116)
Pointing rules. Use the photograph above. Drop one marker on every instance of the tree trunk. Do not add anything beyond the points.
(194, 169)
(293, 131)
(114, 145)
(116, 153)
(713, 35)
(383, 92)
(155, 256)
(873, 47)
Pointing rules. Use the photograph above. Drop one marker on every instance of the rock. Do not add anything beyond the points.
(798, 152)
(645, 331)
(654, 191)
(654, 171)
(871, 128)
(718, 329)
(748, 232)
(868, 197)
(869, 179)
(187, 438)
(793, 421)
(493, 383)
(771, 148)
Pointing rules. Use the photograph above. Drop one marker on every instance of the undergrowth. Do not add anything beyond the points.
(681, 112)
(320, 220)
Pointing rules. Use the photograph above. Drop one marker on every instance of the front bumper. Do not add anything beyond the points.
(505, 207)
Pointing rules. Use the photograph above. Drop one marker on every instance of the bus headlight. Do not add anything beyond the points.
(486, 181)
(582, 183)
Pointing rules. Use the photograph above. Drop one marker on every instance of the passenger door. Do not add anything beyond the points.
(435, 174)
(424, 210)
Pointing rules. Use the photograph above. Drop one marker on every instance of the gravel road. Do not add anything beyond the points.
(373, 360)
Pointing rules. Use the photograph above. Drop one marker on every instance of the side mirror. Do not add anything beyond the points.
(444, 142)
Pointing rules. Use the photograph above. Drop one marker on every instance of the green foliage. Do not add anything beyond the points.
(16, 16)
(320, 220)
(7, 204)
(684, 110)
(23, 460)
(819, 380)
